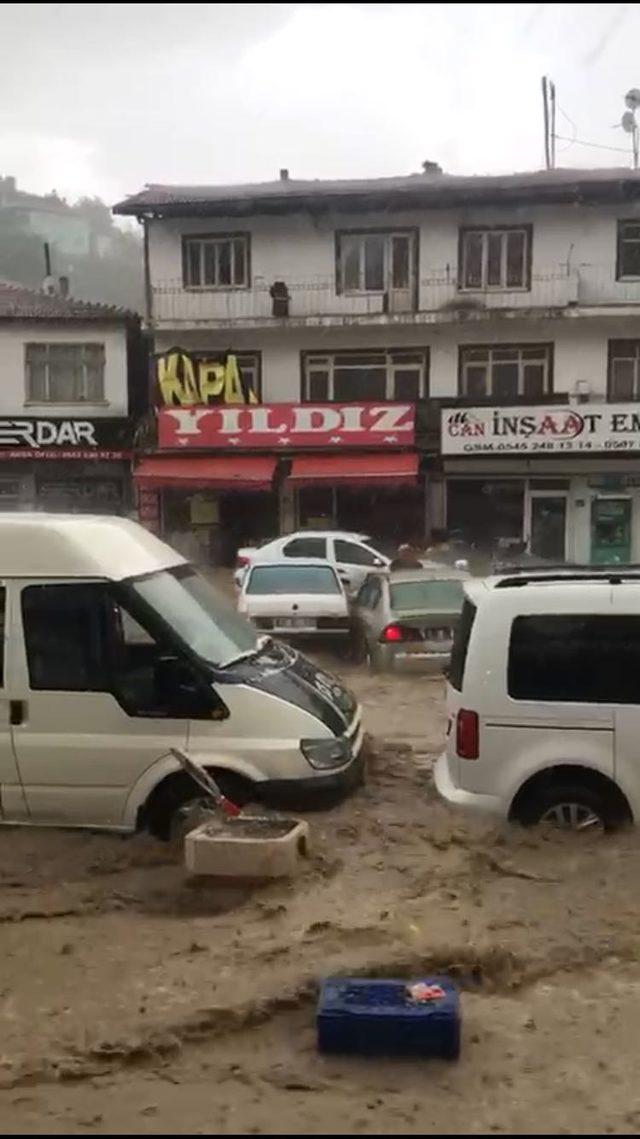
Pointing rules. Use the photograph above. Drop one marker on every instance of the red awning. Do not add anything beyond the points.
(356, 470)
(216, 472)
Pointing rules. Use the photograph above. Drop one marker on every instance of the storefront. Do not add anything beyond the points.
(375, 493)
(565, 481)
(206, 506)
(69, 465)
(228, 475)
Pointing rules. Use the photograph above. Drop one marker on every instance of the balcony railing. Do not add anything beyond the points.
(439, 299)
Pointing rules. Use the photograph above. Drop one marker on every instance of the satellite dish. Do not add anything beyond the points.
(632, 99)
(628, 122)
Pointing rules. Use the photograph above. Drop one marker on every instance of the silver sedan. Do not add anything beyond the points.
(406, 618)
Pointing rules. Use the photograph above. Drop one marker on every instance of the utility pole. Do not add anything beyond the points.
(545, 120)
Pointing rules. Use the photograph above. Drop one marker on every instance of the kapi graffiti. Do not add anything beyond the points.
(187, 379)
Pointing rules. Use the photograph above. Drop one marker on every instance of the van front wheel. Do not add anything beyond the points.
(178, 804)
(571, 807)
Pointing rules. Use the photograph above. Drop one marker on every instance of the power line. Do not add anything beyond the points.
(595, 145)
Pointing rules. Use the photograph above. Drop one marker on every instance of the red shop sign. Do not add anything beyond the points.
(283, 426)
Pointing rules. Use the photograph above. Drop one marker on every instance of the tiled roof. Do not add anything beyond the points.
(17, 302)
(422, 189)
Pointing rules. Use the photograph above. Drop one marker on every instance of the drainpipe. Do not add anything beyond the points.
(148, 295)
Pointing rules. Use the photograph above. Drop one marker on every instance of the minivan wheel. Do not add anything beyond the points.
(571, 808)
(178, 805)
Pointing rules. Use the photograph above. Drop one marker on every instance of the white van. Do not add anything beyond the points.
(544, 699)
(114, 651)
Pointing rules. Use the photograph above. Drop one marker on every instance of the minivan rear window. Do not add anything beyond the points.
(575, 659)
(461, 644)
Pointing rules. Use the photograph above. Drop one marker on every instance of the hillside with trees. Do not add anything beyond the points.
(109, 270)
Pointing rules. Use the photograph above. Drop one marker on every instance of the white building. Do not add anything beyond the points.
(430, 290)
(65, 431)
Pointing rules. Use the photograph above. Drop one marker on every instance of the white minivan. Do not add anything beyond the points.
(544, 699)
(115, 650)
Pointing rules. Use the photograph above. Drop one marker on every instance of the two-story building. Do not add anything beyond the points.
(67, 396)
(355, 311)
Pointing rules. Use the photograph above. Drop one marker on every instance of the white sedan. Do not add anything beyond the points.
(353, 555)
(295, 598)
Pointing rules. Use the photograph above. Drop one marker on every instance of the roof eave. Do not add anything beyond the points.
(617, 190)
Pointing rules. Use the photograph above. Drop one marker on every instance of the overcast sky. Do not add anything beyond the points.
(99, 99)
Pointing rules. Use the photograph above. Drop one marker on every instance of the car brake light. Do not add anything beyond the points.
(241, 561)
(467, 734)
(393, 634)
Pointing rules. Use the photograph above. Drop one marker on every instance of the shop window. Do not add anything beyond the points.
(506, 371)
(216, 261)
(575, 659)
(375, 261)
(624, 370)
(364, 376)
(64, 373)
(306, 548)
(488, 514)
(628, 260)
(495, 258)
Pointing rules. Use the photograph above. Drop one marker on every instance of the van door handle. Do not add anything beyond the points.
(16, 712)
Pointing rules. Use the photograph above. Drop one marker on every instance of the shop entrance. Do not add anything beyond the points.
(392, 515)
(610, 531)
(208, 527)
(548, 526)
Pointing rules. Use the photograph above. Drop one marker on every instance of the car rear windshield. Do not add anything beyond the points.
(427, 595)
(575, 659)
(292, 579)
(461, 644)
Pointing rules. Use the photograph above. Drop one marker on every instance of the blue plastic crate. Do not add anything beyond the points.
(378, 1018)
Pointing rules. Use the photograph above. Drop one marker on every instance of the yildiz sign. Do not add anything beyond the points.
(585, 428)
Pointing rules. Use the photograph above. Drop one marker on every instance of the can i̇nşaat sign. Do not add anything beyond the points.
(542, 430)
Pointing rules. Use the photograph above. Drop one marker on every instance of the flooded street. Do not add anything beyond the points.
(135, 1000)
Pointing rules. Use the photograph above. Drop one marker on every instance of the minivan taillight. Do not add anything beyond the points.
(396, 634)
(467, 734)
(241, 561)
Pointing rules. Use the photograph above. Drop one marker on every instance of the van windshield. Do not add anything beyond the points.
(196, 612)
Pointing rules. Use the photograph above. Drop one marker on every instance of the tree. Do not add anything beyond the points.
(112, 272)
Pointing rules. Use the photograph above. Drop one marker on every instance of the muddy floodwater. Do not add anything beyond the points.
(135, 1000)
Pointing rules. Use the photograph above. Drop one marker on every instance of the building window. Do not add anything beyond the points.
(495, 258)
(216, 261)
(624, 370)
(64, 373)
(376, 262)
(347, 376)
(506, 371)
(628, 262)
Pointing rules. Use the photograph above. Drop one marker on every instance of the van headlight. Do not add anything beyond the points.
(326, 753)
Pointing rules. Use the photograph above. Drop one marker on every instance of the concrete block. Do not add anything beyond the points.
(253, 847)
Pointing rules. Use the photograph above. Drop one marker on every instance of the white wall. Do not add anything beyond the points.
(580, 348)
(13, 338)
(299, 247)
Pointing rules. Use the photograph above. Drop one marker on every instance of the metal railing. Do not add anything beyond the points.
(438, 296)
